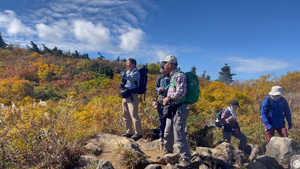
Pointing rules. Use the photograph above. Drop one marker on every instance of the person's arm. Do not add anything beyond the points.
(157, 83)
(287, 113)
(264, 114)
(132, 77)
(226, 117)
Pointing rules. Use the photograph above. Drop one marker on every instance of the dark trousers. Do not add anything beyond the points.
(239, 135)
(281, 131)
(162, 120)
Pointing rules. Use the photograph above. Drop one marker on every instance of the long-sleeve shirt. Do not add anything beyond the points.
(162, 81)
(227, 118)
(181, 85)
(279, 110)
(132, 77)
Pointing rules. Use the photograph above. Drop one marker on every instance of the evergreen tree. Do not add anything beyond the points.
(2, 43)
(100, 56)
(203, 75)
(47, 50)
(85, 56)
(193, 70)
(207, 77)
(76, 54)
(118, 59)
(33, 47)
(124, 60)
(225, 75)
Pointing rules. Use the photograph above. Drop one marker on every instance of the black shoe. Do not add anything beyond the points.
(126, 135)
(136, 137)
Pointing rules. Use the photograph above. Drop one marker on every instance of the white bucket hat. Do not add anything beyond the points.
(276, 90)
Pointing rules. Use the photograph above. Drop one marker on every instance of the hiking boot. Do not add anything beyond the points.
(183, 163)
(126, 135)
(165, 153)
(135, 137)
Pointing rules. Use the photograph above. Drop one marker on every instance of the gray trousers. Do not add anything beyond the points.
(239, 135)
(175, 130)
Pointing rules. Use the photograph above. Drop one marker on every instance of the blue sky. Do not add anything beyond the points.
(254, 37)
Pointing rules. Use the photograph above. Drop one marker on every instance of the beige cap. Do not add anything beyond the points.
(170, 59)
(276, 90)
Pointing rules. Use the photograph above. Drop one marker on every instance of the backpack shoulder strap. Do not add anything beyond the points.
(174, 79)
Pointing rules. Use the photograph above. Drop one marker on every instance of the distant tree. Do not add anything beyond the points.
(33, 47)
(100, 56)
(225, 75)
(203, 75)
(84, 56)
(54, 49)
(76, 54)
(207, 77)
(2, 43)
(124, 60)
(118, 59)
(193, 70)
(153, 68)
(47, 50)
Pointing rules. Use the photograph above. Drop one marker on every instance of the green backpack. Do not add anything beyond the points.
(193, 93)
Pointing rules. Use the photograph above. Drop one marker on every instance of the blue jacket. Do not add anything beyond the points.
(278, 111)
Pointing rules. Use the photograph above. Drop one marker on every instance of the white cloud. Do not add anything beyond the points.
(131, 39)
(89, 32)
(12, 24)
(54, 33)
(161, 55)
(257, 65)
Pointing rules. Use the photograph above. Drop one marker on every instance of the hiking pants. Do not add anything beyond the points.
(130, 110)
(162, 120)
(239, 135)
(281, 131)
(175, 130)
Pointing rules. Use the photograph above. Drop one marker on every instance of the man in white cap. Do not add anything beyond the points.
(274, 110)
(175, 126)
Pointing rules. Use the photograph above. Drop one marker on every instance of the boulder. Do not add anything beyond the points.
(268, 162)
(153, 166)
(253, 151)
(294, 162)
(93, 148)
(169, 158)
(110, 140)
(255, 165)
(282, 149)
(170, 166)
(103, 164)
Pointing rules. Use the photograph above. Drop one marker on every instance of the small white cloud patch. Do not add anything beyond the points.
(131, 39)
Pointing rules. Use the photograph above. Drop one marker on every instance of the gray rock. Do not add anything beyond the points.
(110, 140)
(253, 151)
(134, 147)
(268, 162)
(153, 166)
(155, 145)
(203, 166)
(255, 165)
(224, 152)
(103, 164)
(294, 162)
(169, 166)
(93, 148)
(169, 158)
(282, 149)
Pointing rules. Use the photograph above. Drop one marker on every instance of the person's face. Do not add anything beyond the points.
(129, 66)
(168, 67)
(234, 108)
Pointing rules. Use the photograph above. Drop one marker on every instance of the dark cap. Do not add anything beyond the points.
(234, 103)
(161, 67)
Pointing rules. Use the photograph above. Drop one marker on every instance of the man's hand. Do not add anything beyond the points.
(290, 126)
(160, 89)
(166, 101)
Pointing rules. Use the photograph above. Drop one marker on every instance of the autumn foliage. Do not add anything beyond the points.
(82, 98)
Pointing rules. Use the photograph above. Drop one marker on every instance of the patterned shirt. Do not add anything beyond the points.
(132, 77)
(228, 117)
(181, 86)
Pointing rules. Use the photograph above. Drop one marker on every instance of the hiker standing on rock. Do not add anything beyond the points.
(130, 102)
(175, 124)
(273, 111)
(230, 125)
(162, 82)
